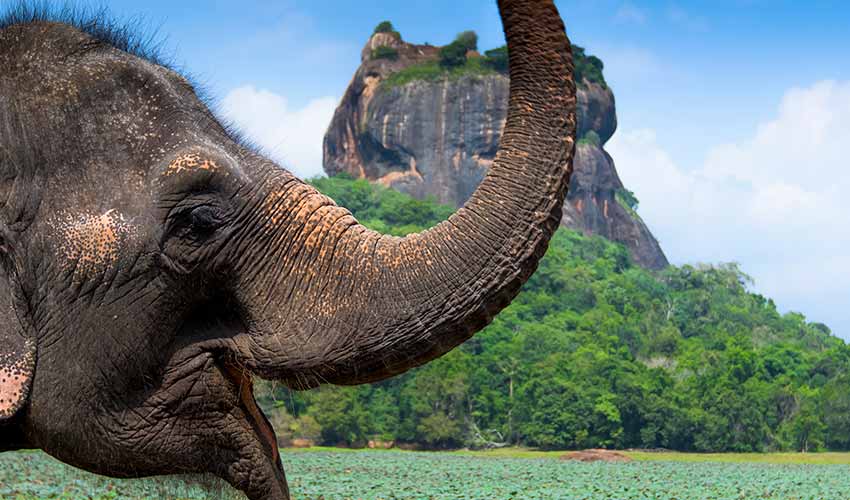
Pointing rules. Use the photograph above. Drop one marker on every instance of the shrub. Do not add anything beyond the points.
(587, 68)
(306, 427)
(453, 55)
(628, 201)
(468, 39)
(431, 71)
(627, 198)
(438, 430)
(384, 52)
(497, 58)
(387, 27)
(384, 27)
(592, 138)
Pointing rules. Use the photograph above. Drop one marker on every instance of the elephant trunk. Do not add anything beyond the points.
(348, 305)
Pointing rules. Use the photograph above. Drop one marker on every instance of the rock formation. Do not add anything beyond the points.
(430, 135)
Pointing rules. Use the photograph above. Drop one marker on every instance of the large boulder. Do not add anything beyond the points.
(438, 136)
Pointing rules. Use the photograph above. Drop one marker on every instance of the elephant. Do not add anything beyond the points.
(154, 263)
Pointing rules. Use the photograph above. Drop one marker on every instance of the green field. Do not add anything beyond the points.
(507, 474)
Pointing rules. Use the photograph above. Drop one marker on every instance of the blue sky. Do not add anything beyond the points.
(732, 113)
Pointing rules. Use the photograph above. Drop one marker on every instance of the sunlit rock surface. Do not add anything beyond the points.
(438, 137)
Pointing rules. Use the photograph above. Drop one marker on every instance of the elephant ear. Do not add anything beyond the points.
(17, 354)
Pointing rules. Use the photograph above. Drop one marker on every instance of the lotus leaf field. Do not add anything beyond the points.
(331, 475)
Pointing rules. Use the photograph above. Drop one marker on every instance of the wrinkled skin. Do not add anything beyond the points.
(151, 264)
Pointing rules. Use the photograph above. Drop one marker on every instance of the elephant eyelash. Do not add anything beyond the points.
(205, 218)
(196, 221)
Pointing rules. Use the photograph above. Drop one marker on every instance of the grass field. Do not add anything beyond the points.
(331, 474)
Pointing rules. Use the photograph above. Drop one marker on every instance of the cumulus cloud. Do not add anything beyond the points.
(774, 202)
(292, 137)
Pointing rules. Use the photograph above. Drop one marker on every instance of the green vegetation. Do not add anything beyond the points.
(384, 52)
(37, 476)
(380, 208)
(587, 68)
(591, 138)
(627, 198)
(387, 27)
(467, 40)
(332, 474)
(628, 201)
(497, 58)
(453, 55)
(453, 63)
(597, 352)
(795, 458)
(432, 71)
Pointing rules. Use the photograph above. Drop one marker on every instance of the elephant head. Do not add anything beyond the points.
(152, 262)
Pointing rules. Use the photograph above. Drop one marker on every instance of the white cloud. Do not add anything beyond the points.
(774, 202)
(292, 137)
(780, 204)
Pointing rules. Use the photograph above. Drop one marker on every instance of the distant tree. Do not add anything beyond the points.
(387, 27)
(384, 27)
(383, 420)
(805, 431)
(556, 413)
(835, 398)
(627, 198)
(453, 55)
(592, 138)
(468, 39)
(306, 427)
(340, 415)
(497, 58)
(438, 430)
(587, 69)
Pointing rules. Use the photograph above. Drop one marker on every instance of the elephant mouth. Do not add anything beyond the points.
(241, 379)
(213, 326)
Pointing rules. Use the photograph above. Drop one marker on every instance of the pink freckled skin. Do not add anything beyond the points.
(11, 387)
(93, 241)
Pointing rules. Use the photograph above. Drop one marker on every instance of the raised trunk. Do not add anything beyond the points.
(368, 306)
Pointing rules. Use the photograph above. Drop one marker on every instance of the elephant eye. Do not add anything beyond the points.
(205, 219)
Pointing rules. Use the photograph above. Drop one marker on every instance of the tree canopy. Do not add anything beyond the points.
(387, 27)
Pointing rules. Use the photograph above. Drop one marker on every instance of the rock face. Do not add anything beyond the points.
(437, 137)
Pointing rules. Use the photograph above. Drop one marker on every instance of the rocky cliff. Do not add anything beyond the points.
(406, 123)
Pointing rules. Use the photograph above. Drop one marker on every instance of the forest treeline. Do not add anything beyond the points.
(595, 352)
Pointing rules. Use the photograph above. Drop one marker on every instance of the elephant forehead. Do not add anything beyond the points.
(93, 242)
(188, 162)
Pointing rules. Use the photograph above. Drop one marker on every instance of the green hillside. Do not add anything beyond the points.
(596, 352)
